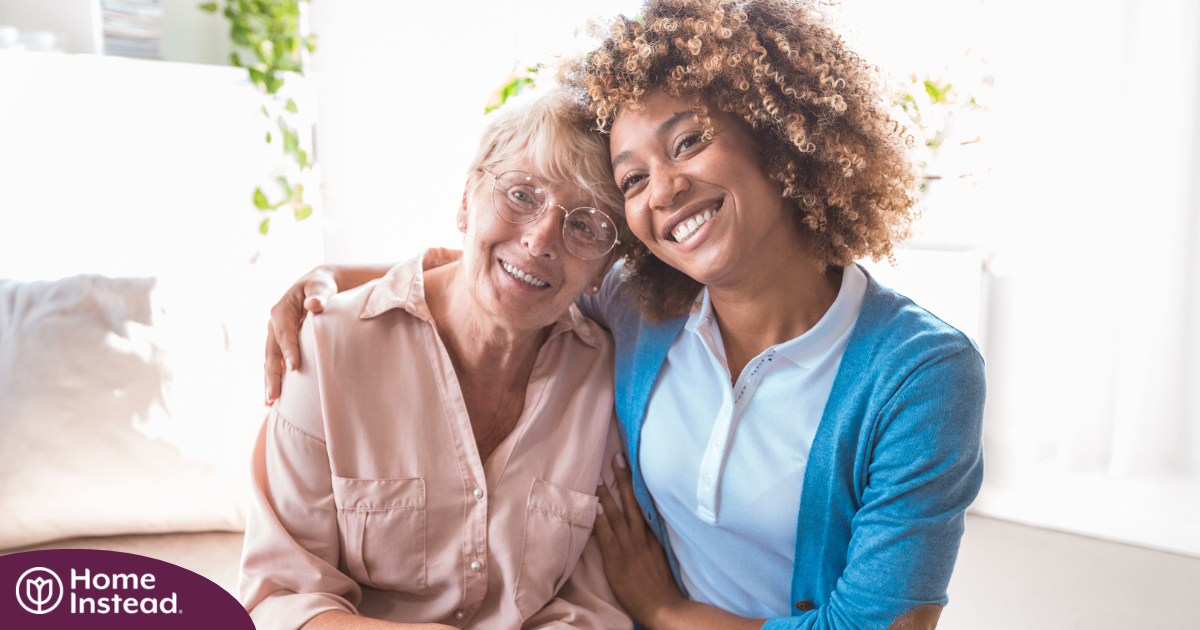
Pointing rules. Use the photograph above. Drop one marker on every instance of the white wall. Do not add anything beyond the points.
(403, 87)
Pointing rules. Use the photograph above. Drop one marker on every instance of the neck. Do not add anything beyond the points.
(481, 348)
(765, 309)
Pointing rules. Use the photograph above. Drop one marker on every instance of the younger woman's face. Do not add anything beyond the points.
(705, 207)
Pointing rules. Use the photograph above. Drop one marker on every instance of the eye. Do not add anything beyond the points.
(689, 141)
(630, 180)
(582, 229)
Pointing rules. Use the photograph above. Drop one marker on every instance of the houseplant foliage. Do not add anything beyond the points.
(268, 43)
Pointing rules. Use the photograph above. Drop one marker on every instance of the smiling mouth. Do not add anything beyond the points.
(686, 229)
(529, 279)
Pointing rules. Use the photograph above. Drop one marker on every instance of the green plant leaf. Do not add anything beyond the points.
(291, 141)
(268, 137)
(210, 7)
(303, 212)
(264, 226)
(302, 158)
(935, 93)
(291, 106)
(287, 188)
(260, 200)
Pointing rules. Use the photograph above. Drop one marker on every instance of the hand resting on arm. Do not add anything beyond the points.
(308, 294)
(637, 569)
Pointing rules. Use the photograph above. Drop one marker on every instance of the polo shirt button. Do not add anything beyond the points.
(649, 516)
(476, 565)
(478, 493)
(804, 605)
(459, 614)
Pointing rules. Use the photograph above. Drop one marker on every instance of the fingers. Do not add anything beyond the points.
(633, 515)
(614, 518)
(286, 317)
(317, 293)
(610, 549)
(272, 367)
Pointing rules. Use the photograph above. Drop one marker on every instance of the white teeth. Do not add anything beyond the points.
(523, 277)
(686, 229)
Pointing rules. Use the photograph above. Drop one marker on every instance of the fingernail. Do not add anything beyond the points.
(620, 460)
(599, 509)
(288, 361)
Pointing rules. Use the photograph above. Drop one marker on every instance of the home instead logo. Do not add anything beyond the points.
(41, 587)
(83, 588)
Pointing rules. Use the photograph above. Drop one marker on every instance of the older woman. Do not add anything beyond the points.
(434, 458)
(802, 442)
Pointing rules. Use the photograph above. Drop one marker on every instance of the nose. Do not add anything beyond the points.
(543, 237)
(666, 184)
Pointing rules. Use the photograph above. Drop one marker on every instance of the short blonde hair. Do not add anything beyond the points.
(550, 128)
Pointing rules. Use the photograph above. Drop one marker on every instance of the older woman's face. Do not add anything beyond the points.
(523, 273)
(705, 207)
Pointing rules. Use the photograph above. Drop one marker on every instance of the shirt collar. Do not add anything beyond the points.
(809, 347)
(404, 287)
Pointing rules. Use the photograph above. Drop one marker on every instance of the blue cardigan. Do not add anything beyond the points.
(896, 460)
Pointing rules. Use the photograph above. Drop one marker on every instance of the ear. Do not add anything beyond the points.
(460, 217)
(595, 283)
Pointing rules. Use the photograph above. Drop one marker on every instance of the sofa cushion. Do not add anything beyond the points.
(122, 411)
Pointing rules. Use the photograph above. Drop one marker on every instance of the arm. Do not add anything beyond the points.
(308, 294)
(585, 601)
(925, 469)
(637, 568)
(289, 576)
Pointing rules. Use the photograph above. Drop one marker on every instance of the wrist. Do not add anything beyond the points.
(667, 615)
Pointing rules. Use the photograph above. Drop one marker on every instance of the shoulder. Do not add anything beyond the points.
(896, 335)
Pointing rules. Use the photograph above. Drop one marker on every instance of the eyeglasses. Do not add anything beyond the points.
(519, 198)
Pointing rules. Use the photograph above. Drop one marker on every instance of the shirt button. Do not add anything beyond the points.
(478, 493)
(459, 614)
(708, 482)
(804, 605)
(716, 445)
(476, 565)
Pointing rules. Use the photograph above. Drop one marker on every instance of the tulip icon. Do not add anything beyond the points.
(38, 600)
(42, 591)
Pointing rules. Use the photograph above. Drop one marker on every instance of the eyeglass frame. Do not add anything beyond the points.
(545, 206)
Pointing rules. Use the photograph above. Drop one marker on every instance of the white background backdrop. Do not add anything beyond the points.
(1089, 222)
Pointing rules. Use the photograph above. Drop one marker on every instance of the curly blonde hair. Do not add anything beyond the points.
(819, 113)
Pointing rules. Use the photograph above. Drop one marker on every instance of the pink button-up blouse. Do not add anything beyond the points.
(370, 496)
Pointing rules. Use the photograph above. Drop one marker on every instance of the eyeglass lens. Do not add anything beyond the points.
(520, 197)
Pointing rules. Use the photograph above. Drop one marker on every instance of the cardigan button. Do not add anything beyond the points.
(804, 605)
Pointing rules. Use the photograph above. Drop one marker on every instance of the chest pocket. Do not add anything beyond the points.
(382, 527)
(558, 522)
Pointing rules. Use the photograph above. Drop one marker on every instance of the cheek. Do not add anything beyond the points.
(640, 220)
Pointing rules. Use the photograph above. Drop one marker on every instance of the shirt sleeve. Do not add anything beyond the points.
(586, 601)
(289, 568)
(925, 469)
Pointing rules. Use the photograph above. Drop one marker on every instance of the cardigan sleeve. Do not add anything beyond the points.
(925, 468)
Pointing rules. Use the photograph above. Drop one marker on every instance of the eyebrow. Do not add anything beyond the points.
(663, 128)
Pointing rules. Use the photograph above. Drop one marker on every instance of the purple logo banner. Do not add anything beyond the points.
(85, 588)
